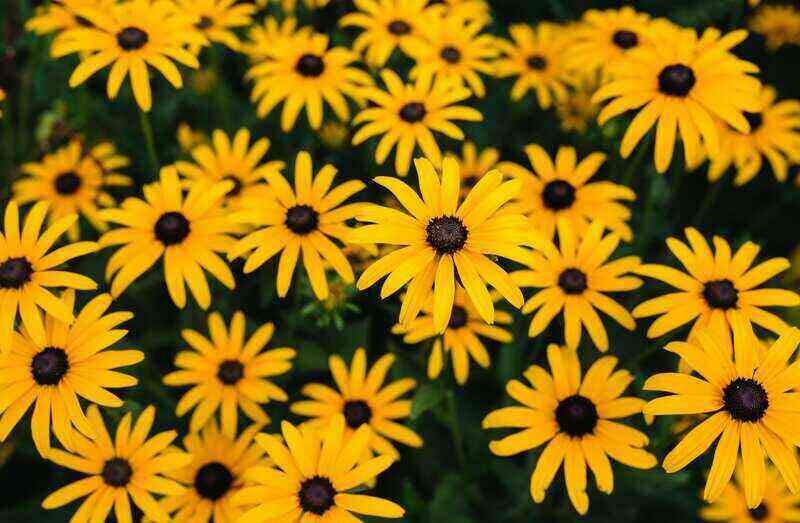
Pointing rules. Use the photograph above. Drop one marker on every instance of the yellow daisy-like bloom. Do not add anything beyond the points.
(779, 24)
(774, 135)
(131, 35)
(680, 84)
(235, 160)
(386, 25)
(455, 50)
(73, 180)
(562, 190)
(407, 113)
(216, 19)
(129, 467)
(473, 164)
(443, 238)
(466, 9)
(60, 15)
(227, 373)
(575, 277)
(578, 110)
(214, 476)
(461, 338)
(715, 285)
(778, 505)
(187, 231)
(261, 39)
(536, 58)
(27, 270)
(302, 71)
(303, 219)
(189, 138)
(749, 403)
(72, 361)
(312, 476)
(362, 399)
(575, 416)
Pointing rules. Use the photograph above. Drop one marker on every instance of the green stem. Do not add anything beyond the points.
(708, 203)
(455, 428)
(147, 130)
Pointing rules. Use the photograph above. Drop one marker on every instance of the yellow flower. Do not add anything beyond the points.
(226, 373)
(680, 84)
(214, 476)
(443, 238)
(73, 180)
(748, 401)
(466, 9)
(575, 416)
(129, 467)
(131, 35)
(27, 270)
(334, 135)
(461, 338)
(2, 99)
(60, 15)
(262, 39)
(303, 219)
(779, 24)
(578, 110)
(187, 232)
(559, 190)
(188, 138)
(575, 277)
(312, 476)
(216, 19)
(72, 361)
(474, 164)
(715, 286)
(778, 505)
(362, 399)
(407, 113)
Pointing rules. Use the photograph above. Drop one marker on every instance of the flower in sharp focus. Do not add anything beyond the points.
(216, 19)
(473, 164)
(312, 476)
(227, 372)
(72, 361)
(714, 286)
(300, 220)
(779, 505)
(407, 113)
(443, 239)
(575, 278)
(779, 24)
(130, 467)
(574, 416)
(186, 231)
(749, 405)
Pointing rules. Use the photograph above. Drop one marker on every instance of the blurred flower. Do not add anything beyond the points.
(332, 310)
(216, 19)
(467, 9)
(261, 39)
(202, 81)
(779, 505)
(2, 99)
(574, 417)
(188, 138)
(577, 110)
(334, 135)
(60, 15)
(779, 24)
(473, 165)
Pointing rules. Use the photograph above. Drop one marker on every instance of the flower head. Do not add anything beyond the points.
(473, 164)
(779, 24)
(778, 504)
(216, 19)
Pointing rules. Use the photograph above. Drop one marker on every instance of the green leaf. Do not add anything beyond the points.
(427, 397)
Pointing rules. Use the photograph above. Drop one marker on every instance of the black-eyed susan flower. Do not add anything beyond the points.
(406, 115)
(262, 38)
(748, 402)
(303, 219)
(536, 58)
(461, 339)
(714, 285)
(312, 477)
(473, 164)
(779, 505)
(61, 15)
(130, 36)
(28, 269)
(466, 9)
(129, 468)
(442, 238)
(574, 416)
(362, 399)
(189, 138)
(236, 160)
(680, 84)
(186, 231)
(561, 190)
(74, 180)
(216, 19)
(214, 476)
(227, 372)
(778, 24)
(577, 111)
(73, 361)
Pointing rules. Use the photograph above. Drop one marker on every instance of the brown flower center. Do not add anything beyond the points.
(302, 219)
(230, 372)
(576, 415)
(446, 234)
(172, 228)
(310, 65)
(67, 183)
(132, 38)
(399, 27)
(676, 80)
(537, 62)
(625, 39)
(558, 195)
(49, 366)
(572, 281)
(450, 54)
(458, 317)
(117, 472)
(356, 413)
(721, 294)
(213, 480)
(316, 495)
(15, 272)
(745, 400)
(413, 112)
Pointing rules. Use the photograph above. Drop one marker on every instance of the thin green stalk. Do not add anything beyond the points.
(708, 203)
(455, 428)
(147, 130)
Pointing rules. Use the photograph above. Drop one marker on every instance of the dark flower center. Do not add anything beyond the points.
(316, 495)
(413, 112)
(204, 23)
(721, 294)
(625, 39)
(67, 183)
(558, 195)
(83, 22)
(399, 27)
(230, 372)
(572, 281)
(302, 219)
(450, 54)
(117, 472)
(745, 400)
(213, 480)
(356, 413)
(237, 185)
(132, 38)
(759, 513)
(446, 234)
(458, 317)
(171, 228)
(310, 65)
(49, 366)
(676, 80)
(754, 119)
(537, 62)
(15, 272)
(576, 415)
